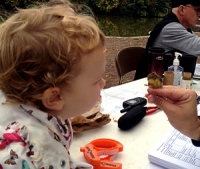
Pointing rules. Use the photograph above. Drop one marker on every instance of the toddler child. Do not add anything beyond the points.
(51, 66)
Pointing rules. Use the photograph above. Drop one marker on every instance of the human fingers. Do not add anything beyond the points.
(180, 107)
(152, 98)
(181, 114)
(161, 102)
(173, 93)
(172, 99)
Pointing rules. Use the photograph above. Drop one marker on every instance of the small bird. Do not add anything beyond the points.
(154, 80)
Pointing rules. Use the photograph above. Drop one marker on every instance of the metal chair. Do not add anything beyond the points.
(128, 60)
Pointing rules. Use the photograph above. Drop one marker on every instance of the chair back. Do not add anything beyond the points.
(127, 60)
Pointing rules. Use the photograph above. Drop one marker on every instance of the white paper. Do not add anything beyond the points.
(113, 98)
(175, 151)
(152, 166)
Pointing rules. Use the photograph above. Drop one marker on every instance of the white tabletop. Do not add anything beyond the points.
(137, 141)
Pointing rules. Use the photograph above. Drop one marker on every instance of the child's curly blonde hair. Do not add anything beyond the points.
(41, 48)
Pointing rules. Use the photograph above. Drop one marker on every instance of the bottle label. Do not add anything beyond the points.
(186, 84)
(177, 78)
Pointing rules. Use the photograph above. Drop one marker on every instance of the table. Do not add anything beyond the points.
(137, 141)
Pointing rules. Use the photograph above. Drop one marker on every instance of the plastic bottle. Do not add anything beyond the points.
(186, 81)
(177, 69)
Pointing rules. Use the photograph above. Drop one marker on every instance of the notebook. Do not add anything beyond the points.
(175, 151)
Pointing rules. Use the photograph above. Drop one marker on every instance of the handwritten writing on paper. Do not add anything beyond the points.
(113, 98)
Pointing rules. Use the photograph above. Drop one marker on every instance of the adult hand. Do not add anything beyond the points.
(180, 106)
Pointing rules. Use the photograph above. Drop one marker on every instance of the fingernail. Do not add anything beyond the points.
(151, 100)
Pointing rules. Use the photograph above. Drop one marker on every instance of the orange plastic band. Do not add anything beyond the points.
(101, 152)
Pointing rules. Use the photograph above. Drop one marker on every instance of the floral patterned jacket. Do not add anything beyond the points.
(32, 139)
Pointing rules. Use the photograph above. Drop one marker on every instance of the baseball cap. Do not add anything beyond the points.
(177, 3)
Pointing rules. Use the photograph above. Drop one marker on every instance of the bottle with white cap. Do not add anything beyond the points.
(177, 69)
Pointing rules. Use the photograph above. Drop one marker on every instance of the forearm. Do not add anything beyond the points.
(196, 136)
(175, 37)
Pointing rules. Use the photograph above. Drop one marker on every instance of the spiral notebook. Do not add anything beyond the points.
(175, 151)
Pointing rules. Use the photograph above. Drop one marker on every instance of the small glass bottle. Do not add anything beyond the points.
(186, 81)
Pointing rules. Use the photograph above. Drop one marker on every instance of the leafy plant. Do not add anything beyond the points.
(24, 3)
(137, 8)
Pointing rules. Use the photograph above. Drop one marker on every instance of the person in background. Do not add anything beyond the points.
(180, 106)
(51, 66)
(173, 32)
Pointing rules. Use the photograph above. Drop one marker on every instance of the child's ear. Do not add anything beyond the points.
(52, 99)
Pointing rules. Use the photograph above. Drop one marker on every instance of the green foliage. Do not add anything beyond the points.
(107, 5)
(136, 8)
(100, 5)
(158, 8)
(23, 3)
(145, 8)
(139, 8)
